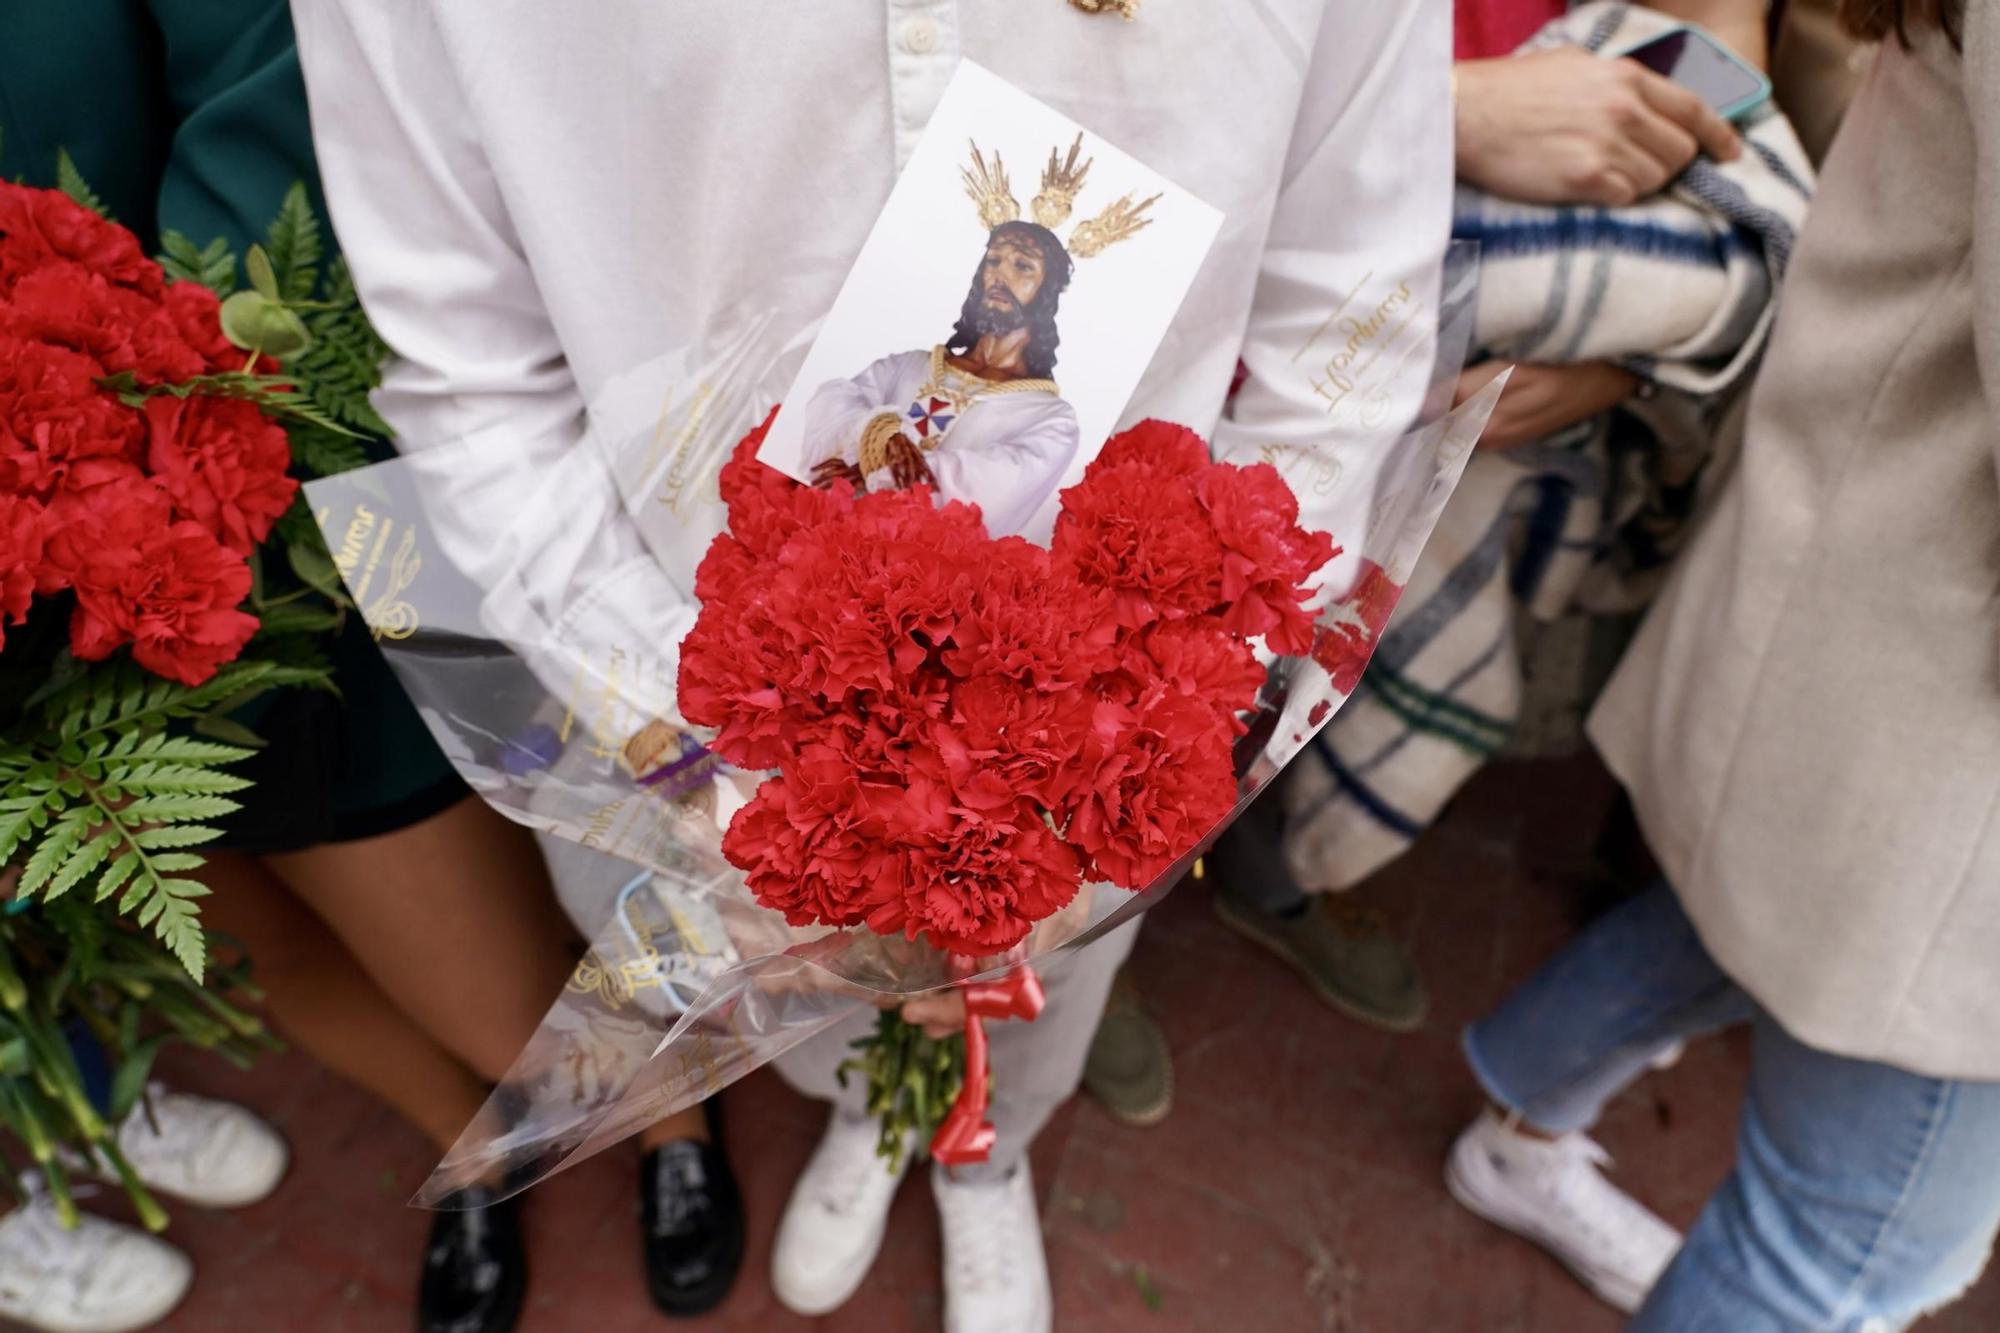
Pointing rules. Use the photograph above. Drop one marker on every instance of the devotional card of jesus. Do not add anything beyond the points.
(986, 347)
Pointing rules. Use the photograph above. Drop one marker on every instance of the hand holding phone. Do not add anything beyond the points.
(1687, 55)
(1566, 126)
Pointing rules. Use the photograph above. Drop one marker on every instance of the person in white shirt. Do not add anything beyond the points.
(537, 202)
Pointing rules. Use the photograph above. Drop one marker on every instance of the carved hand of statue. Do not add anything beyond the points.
(835, 469)
(907, 467)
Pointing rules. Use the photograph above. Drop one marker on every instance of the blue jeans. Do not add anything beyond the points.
(1863, 1196)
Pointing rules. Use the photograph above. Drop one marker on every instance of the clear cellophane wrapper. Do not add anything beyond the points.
(689, 984)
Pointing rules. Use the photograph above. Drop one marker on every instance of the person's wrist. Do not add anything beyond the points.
(1467, 82)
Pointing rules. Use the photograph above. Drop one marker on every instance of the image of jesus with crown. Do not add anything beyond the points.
(978, 417)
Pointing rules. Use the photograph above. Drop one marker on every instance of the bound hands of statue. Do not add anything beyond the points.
(1569, 127)
(832, 470)
(907, 467)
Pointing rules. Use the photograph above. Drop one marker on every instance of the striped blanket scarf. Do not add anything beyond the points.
(1547, 552)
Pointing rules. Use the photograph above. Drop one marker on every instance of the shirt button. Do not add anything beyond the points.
(920, 36)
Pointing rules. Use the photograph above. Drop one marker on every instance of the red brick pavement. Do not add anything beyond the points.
(1295, 1187)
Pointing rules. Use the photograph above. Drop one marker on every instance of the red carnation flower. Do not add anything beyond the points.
(980, 890)
(64, 303)
(37, 226)
(222, 462)
(1030, 620)
(818, 844)
(766, 507)
(57, 428)
(725, 568)
(1137, 532)
(23, 533)
(1203, 662)
(850, 608)
(111, 514)
(169, 589)
(1174, 450)
(1154, 779)
(196, 313)
(1267, 558)
(1004, 740)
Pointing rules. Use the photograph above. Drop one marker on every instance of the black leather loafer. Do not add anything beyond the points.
(475, 1267)
(691, 1217)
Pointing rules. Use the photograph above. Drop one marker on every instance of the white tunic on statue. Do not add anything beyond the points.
(1004, 453)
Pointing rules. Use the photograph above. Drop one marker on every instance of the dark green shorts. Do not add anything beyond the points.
(337, 768)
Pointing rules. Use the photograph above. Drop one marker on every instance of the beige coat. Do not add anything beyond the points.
(1810, 721)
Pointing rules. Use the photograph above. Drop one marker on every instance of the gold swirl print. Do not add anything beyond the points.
(389, 616)
(609, 985)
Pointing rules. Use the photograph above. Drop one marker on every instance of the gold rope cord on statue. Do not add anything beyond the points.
(876, 437)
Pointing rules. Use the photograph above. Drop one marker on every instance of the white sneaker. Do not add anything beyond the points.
(833, 1226)
(210, 1153)
(99, 1278)
(996, 1276)
(1551, 1192)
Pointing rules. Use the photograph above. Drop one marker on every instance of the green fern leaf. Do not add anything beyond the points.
(178, 808)
(325, 453)
(180, 930)
(56, 846)
(175, 835)
(294, 245)
(163, 778)
(71, 182)
(185, 749)
(298, 618)
(115, 876)
(80, 863)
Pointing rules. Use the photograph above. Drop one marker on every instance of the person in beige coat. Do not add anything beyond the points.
(1809, 727)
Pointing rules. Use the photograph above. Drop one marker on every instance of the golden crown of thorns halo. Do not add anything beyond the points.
(1062, 180)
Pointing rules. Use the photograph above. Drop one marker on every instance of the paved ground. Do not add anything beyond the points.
(1294, 1188)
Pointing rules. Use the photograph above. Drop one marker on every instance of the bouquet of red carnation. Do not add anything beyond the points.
(147, 435)
(841, 748)
(965, 730)
(120, 481)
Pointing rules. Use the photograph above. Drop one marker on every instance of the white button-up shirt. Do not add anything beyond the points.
(536, 197)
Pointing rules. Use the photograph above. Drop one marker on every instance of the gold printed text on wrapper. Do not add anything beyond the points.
(1344, 357)
(364, 546)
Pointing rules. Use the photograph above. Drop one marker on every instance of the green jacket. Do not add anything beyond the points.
(187, 115)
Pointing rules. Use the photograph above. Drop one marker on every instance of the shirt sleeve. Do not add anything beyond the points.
(1343, 331)
(479, 391)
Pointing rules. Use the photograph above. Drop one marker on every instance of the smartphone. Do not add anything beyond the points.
(1698, 62)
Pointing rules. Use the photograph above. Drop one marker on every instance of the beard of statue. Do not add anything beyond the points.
(997, 314)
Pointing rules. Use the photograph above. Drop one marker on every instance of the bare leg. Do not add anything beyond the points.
(688, 1124)
(455, 920)
(322, 1000)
